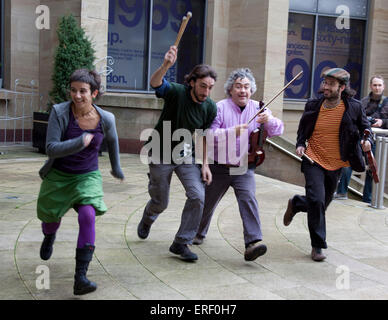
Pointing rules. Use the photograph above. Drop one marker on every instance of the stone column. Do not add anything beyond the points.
(275, 54)
(377, 43)
(48, 42)
(21, 43)
(253, 34)
(217, 33)
(94, 20)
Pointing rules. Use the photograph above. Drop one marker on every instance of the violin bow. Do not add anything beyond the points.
(266, 104)
(371, 159)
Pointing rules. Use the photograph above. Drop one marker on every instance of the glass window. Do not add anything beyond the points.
(299, 54)
(127, 44)
(316, 42)
(137, 52)
(357, 8)
(339, 48)
(308, 6)
(165, 26)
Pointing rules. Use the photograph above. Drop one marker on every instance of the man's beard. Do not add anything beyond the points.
(334, 96)
(196, 96)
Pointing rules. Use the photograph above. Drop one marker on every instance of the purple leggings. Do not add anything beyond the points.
(86, 221)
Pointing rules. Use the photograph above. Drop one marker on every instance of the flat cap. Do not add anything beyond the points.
(337, 73)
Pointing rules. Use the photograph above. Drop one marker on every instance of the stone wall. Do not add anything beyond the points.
(217, 34)
(94, 20)
(48, 41)
(134, 113)
(253, 34)
(92, 16)
(239, 33)
(377, 43)
(21, 70)
(21, 56)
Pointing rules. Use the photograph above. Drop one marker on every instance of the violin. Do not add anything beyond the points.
(371, 159)
(257, 138)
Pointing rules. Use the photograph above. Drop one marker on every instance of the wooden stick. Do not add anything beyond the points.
(182, 28)
(285, 87)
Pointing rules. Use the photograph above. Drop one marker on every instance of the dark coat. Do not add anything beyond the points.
(353, 124)
(375, 110)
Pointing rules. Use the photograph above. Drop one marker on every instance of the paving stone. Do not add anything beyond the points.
(128, 268)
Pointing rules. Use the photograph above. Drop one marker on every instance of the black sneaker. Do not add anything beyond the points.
(184, 251)
(143, 229)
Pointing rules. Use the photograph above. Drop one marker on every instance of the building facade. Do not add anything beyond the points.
(275, 39)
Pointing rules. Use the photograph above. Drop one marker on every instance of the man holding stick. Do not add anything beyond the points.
(185, 107)
(333, 126)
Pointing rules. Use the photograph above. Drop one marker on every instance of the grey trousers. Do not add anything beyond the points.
(159, 190)
(244, 188)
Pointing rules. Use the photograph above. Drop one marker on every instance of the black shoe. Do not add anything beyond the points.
(143, 229)
(184, 251)
(254, 250)
(82, 285)
(46, 248)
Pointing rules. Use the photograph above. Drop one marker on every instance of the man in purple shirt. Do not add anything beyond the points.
(230, 130)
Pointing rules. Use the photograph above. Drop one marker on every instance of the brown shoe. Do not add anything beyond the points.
(317, 255)
(254, 251)
(288, 215)
(198, 240)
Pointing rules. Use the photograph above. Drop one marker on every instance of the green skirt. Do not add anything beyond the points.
(61, 191)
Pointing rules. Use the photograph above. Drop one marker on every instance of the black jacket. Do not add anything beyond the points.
(353, 123)
(376, 109)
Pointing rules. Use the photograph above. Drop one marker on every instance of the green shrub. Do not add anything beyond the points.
(74, 51)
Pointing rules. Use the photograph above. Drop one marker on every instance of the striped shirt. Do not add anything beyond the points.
(323, 145)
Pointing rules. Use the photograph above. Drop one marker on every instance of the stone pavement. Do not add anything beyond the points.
(128, 268)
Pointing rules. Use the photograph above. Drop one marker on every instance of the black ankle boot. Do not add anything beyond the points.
(82, 258)
(46, 248)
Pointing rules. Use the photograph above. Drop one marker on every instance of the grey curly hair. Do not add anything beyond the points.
(240, 74)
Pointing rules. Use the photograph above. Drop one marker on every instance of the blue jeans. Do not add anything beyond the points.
(343, 184)
(346, 174)
(367, 192)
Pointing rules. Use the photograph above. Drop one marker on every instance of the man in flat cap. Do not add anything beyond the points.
(332, 126)
(375, 105)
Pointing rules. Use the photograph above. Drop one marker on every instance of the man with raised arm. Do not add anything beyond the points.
(186, 107)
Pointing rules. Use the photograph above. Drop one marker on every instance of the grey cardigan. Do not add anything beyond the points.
(57, 148)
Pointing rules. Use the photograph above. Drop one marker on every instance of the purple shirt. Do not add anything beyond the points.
(227, 148)
(87, 159)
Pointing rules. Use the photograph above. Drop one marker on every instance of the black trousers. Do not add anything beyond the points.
(320, 187)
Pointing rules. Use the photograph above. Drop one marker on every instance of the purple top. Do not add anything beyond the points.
(227, 148)
(87, 159)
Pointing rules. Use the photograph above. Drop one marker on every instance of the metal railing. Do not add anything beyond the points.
(18, 114)
(381, 139)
